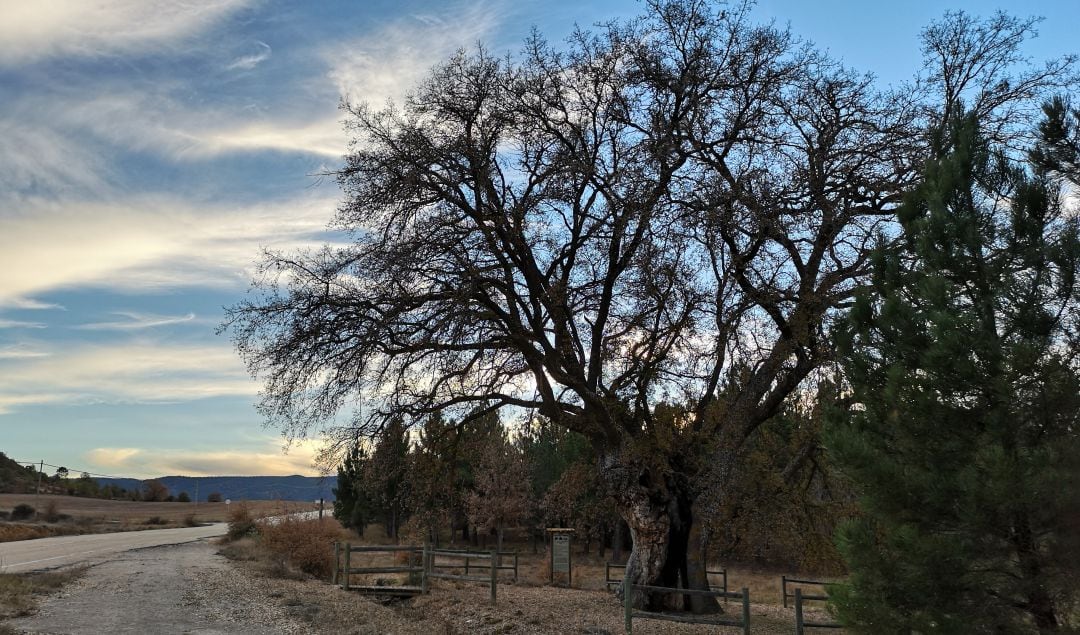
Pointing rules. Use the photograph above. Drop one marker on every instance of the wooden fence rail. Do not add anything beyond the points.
(477, 555)
(630, 614)
(343, 574)
(611, 582)
(801, 624)
(493, 568)
(785, 581)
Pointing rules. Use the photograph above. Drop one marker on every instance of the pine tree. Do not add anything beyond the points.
(352, 505)
(963, 442)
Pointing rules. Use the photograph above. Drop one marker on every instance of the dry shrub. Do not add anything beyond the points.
(307, 545)
(241, 522)
(22, 512)
(52, 512)
(189, 521)
(11, 533)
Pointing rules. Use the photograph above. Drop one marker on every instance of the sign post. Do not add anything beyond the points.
(560, 554)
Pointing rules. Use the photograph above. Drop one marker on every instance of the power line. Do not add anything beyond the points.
(72, 469)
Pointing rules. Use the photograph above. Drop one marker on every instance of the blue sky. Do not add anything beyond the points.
(149, 150)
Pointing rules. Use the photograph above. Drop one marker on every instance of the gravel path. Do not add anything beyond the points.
(183, 588)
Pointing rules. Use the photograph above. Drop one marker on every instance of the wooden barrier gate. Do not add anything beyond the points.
(430, 567)
(344, 573)
(630, 614)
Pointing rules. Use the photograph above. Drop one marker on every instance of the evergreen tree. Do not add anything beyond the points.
(963, 440)
(352, 505)
(385, 475)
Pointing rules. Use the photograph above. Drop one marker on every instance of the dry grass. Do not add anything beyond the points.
(19, 592)
(287, 548)
(74, 515)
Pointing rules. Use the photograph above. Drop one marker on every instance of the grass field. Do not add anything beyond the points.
(75, 515)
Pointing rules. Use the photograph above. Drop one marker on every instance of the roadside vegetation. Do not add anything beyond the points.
(21, 592)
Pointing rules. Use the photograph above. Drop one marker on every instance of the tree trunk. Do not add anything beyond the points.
(666, 552)
(617, 542)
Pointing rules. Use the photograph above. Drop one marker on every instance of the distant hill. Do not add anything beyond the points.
(16, 479)
(237, 488)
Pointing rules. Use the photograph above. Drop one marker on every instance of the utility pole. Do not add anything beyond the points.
(41, 470)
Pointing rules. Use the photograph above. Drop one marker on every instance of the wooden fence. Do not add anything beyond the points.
(801, 624)
(480, 555)
(344, 573)
(630, 614)
(611, 582)
(785, 581)
(430, 567)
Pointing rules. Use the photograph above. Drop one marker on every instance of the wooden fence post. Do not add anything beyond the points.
(628, 604)
(348, 564)
(466, 565)
(799, 628)
(783, 588)
(337, 561)
(425, 563)
(746, 611)
(494, 574)
(515, 567)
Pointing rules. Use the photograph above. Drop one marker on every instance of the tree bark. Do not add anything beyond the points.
(666, 545)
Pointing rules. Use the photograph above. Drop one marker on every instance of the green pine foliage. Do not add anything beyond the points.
(964, 442)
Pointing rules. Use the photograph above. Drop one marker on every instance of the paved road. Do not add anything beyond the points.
(49, 553)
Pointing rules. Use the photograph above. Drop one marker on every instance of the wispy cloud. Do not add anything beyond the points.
(389, 62)
(19, 324)
(148, 243)
(30, 31)
(137, 321)
(140, 372)
(21, 352)
(27, 304)
(248, 62)
(266, 459)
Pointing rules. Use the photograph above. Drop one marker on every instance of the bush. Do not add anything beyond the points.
(241, 522)
(307, 545)
(189, 521)
(156, 520)
(52, 512)
(22, 511)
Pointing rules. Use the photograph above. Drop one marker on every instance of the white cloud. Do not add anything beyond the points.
(147, 244)
(27, 304)
(388, 63)
(248, 62)
(136, 372)
(21, 352)
(31, 31)
(137, 321)
(265, 459)
(19, 324)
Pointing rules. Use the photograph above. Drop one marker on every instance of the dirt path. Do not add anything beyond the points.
(183, 588)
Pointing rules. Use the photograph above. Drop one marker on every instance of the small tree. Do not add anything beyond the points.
(215, 497)
(183, 497)
(155, 490)
(501, 497)
(965, 445)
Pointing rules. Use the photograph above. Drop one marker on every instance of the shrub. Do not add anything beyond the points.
(189, 521)
(156, 520)
(22, 511)
(183, 498)
(241, 522)
(52, 512)
(307, 545)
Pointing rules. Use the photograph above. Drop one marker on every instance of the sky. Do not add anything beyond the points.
(150, 150)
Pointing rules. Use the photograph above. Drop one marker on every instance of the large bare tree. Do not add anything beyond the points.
(593, 232)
